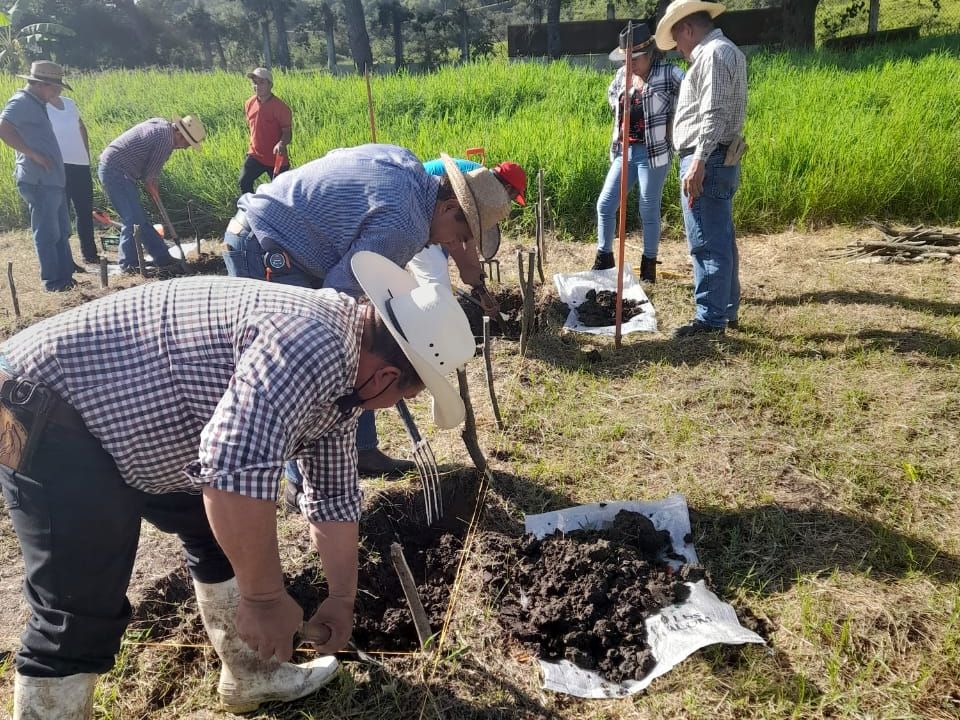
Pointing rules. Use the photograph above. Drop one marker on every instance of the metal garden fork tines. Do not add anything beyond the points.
(426, 464)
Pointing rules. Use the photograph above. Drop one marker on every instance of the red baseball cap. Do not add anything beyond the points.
(514, 176)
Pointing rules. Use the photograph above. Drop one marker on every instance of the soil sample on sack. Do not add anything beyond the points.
(599, 309)
(584, 596)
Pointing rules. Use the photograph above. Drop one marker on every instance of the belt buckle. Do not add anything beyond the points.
(18, 392)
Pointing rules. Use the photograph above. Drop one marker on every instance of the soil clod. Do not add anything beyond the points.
(584, 596)
(600, 307)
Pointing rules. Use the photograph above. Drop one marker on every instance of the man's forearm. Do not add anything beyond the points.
(336, 543)
(286, 134)
(246, 529)
(10, 136)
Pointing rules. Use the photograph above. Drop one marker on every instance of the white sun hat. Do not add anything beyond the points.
(428, 324)
(677, 11)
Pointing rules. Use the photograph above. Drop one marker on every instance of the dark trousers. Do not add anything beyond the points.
(80, 193)
(253, 169)
(79, 524)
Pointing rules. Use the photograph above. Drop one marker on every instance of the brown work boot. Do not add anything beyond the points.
(648, 269)
(373, 463)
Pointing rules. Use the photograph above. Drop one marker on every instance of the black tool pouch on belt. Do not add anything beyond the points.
(24, 411)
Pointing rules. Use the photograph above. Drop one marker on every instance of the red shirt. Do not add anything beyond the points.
(266, 120)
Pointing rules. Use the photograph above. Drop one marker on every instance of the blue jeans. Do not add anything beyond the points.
(50, 222)
(712, 241)
(125, 196)
(651, 181)
(244, 258)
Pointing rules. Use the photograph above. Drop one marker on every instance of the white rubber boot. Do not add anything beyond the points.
(63, 698)
(246, 681)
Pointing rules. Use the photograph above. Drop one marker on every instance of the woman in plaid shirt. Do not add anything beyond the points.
(653, 100)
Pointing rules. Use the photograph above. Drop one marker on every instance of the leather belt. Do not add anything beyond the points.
(685, 152)
(29, 396)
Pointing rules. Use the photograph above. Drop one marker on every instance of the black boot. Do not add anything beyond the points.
(648, 269)
(604, 261)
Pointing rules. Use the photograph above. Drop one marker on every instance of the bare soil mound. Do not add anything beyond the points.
(511, 305)
(584, 596)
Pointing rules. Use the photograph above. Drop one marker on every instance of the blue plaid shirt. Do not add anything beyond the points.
(211, 381)
(371, 197)
(140, 152)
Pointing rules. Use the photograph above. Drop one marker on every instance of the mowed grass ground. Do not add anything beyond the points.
(818, 450)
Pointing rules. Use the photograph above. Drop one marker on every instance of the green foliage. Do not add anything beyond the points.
(833, 137)
(18, 40)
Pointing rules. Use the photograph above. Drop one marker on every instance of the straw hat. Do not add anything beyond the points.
(428, 324)
(191, 128)
(46, 72)
(642, 43)
(677, 11)
(482, 199)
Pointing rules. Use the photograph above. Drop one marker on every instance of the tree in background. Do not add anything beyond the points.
(357, 35)
(19, 40)
(391, 16)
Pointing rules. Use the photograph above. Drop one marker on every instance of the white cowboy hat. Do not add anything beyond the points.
(677, 11)
(191, 128)
(483, 201)
(428, 324)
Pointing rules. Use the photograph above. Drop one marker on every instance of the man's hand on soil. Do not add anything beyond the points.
(330, 627)
(268, 625)
(487, 301)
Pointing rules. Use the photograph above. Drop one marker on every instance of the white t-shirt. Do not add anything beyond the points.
(66, 126)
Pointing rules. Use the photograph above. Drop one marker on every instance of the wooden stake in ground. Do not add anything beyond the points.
(469, 432)
(103, 272)
(373, 125)
(13, 289)
(526, 292)
(488, 371)
(420, 620)
(541, 229)
(624, 182)
(141, 263)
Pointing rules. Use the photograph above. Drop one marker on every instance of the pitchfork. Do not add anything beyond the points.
(426, 465)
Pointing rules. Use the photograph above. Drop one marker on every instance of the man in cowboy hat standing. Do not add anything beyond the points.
(235, 377)
(139, 154)
(271, 127)
(707, 132)
(39, 172)
(305, 226)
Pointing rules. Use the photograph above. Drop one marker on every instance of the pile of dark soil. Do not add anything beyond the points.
(600, 308)
(382, 618)
(511, 305)
(584, 596)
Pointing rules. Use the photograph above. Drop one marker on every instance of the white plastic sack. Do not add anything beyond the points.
(673, 634)
(573, 287)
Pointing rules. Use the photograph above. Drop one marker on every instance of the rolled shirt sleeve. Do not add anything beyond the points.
(287, 368)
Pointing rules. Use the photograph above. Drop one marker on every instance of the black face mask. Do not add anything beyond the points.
(347, 403)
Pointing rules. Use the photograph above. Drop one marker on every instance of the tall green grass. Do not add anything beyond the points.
(833, 138)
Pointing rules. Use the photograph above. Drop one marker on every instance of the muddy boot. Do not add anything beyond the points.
(648, 269)
(63, 698)
(246, 681)
(604, 261)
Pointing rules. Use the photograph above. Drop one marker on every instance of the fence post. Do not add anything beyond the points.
(13, 289)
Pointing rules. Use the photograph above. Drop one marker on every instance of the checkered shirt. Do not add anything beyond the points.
(141, 151)
(659, 100)
(244, 370)
(713, 97)
(371, 197)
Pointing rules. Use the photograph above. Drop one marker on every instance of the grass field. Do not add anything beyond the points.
(818, 449)
(833, 138)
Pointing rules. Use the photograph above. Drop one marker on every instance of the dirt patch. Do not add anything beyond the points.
(511, 305)
(599, 309)
(584, 596)
(382, 619)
